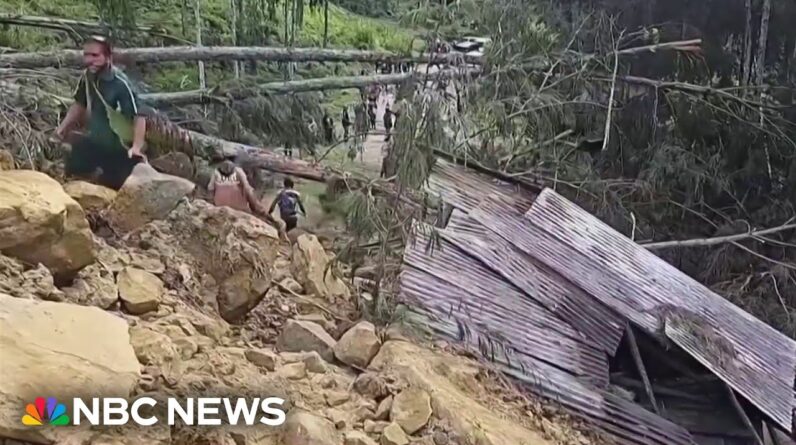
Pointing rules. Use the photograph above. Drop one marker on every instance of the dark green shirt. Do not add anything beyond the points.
(117, 93)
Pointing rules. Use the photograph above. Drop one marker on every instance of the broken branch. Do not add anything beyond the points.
(702, 242)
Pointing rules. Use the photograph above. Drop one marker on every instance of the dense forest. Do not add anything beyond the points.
(670, 120)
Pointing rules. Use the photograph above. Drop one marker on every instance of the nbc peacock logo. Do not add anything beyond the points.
(56, 413)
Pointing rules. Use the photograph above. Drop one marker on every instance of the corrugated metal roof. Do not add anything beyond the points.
(753, 358)
(467, 302)
(464, 189)
(625, 422)
(591, 318)
(490, 302)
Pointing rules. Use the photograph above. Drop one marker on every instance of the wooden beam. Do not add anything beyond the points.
(631, 341)
(742, 414)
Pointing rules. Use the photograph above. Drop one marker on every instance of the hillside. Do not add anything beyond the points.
(170, 18)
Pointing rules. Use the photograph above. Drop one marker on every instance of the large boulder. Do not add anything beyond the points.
(59, 350)
(394, 435)
(146, 195)
(36, 283)
(358, 345)
(235, 249)
(139, 290)
(40, 223)
(358, 438)
(93, 286)
(91, 197)
(311, 268)
(151, 347)
(301, 336)
(303, 428)
(411, 409)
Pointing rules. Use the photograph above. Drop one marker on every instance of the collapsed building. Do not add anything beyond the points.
(580, 314)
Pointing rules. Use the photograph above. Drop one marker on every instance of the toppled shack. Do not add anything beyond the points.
(580, 314)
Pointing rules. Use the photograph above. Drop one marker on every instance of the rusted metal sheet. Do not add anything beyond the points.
(753, 358)
(468, 292)
(596, 323)
(464, 189)
(623, 421)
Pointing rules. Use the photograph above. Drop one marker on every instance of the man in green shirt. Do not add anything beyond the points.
(103, 94)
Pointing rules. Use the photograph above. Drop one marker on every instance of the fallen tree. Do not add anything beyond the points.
(74, 58)
(256, 157)
(274, 88)
(74, 27)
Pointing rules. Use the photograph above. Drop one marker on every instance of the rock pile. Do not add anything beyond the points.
(201, 300)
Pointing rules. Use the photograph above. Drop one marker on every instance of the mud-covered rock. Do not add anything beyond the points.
(140, 291)
(40, 223)
(305, 336)
(358, 345)
(59, 350)
(92, 197)
(311, 269)
(146, 195)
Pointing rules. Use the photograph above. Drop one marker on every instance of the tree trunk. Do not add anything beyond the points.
(746, 63)
(212, 147)
(233, 7)
(760, 60)
(325, 23)
(74, 58)
(277, 88)
(198, 18)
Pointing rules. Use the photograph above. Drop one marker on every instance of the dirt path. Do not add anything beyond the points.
(374, 145)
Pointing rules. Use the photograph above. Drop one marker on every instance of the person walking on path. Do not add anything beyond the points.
(346, 121)
(230, 187)
(289, 201)
(388, 122)
(328, 128)
(113, 142)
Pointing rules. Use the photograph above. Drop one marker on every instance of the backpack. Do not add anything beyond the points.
(288, 203)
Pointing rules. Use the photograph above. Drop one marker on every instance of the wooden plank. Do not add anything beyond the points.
(756, 360)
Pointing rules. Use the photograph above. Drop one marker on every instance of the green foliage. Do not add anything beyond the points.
(117, 12)
(447, 19)
(350, 31)
(678, 164)
(369, 8)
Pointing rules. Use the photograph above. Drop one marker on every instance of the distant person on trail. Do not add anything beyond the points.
(289, 202)
(346, 121)
(388, 121)
(360, 120)
(328, 128)
(103, 94)
(372, 115)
